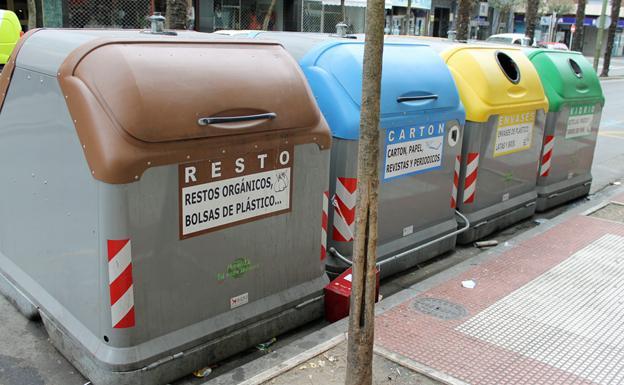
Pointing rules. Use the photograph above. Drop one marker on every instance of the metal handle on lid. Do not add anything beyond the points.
(403, 99)
(235, 119)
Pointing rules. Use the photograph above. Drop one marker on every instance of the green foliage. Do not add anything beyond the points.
(561, 7)
(505, 5)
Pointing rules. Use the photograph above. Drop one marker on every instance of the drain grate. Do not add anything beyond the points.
(611, 212)
(440, 308)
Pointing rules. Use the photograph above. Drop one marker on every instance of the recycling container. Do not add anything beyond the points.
(420, 139)
(10, 33)
(505, 114)
(162, 197)
(575, 105)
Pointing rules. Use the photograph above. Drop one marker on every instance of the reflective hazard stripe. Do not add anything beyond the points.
(470, 182)
(549, 144)
(120, 283)
(455, 182)
(344, 209)
(324, 225)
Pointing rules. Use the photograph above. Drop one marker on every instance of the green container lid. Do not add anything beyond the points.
(567, 77)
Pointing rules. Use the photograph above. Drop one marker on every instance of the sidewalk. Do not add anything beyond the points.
(547, 308)
(616, 67)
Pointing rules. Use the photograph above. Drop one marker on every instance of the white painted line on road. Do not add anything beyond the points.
(612, 134)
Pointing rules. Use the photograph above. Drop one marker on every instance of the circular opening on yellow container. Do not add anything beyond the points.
(508, 66)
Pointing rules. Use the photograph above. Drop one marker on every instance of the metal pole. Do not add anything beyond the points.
(601, 27)
(553, 31)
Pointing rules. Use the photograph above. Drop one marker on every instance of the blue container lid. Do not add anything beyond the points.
(415, 82)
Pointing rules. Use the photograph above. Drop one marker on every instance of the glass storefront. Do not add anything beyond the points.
(243, 14)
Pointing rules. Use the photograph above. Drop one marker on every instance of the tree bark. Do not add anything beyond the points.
(530, 18)
(615, 16)
(510, 21)
(362, 312)
(343, 11)
(267, 17)
(175, 16)
(577, 39)
(463, 19)
(409, 17)
(32, 14)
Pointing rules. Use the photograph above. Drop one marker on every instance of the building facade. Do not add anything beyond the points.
(426, 17)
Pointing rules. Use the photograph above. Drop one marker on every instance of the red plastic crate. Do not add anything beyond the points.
(338, 294)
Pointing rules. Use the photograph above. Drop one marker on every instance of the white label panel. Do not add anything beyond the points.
(514, 133)
(209, 205)
(411, 150)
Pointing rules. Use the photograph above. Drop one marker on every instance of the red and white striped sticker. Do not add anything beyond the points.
(470, 182)
(455, 182)
(120, 283)
(344, 209)
(549, 144)
(324, 225)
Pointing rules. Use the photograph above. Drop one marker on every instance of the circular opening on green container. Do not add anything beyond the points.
(508, 66)
(576, 68)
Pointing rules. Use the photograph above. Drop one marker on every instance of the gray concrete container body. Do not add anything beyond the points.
(499, 89)
(401, 210)
(505, 189)
(414, 208)
(569, 173)
(195, 300)
(575, 108)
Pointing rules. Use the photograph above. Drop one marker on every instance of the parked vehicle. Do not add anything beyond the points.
(552, 45)
(510, 38)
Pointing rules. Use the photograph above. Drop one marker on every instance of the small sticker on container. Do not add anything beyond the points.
(453, 136)
(348, 277)
(239, 300)
(514, 133)
(408, 230)
(505, 197)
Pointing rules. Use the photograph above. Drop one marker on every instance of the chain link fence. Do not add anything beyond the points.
(317, 16)
(244, 15)
(107, 13)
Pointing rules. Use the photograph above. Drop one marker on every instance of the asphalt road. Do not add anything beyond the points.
(27, 357)
(609, 156)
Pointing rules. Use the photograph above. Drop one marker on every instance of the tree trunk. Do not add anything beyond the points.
(530, 18)
(343, 11)
(176, 14)
(496, 15)
(615, 16)
(267, 17)
(362, 313)
(503, 21)
(32, 14)
(463, 19)
(409, 17)
(577, 39)
(510, 21)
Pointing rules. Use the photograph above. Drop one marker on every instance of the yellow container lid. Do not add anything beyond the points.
(494, 80)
